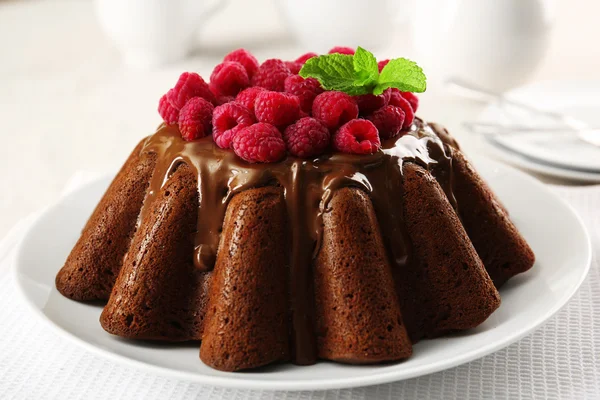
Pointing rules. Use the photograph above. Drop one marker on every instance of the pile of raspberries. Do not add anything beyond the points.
(265, 111)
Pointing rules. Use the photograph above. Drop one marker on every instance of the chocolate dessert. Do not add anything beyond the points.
(297, 242)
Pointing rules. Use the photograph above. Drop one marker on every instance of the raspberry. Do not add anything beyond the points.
(271, 74)
(168, 113)
(395, 96)
(412, 99)
(276, 108)
(228, 78)
(189, 85)
(382, 64)
(294, 67)
(342, 50)
(334, 108)
(244, 57)
(260, 142)
(308, 137)
(224, 99)
(367, 103)
(195, 119)
(397, 100)
(388, 121)
(358, 136)
(306, 90)
(247, 96)
(227, 121)
(305, 57)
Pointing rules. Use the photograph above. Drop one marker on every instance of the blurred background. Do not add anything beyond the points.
(80, 80)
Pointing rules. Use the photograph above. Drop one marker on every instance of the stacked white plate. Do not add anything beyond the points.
(560, 154)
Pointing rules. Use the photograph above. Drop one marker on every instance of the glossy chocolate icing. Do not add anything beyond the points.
(308, 186)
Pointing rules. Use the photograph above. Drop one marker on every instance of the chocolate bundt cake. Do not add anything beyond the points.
(343, 257)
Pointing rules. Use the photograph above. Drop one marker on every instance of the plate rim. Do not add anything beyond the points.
(232, 381)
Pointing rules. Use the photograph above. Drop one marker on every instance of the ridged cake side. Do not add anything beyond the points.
(444, 287)
(503, 250)
(247, 321)
(358, 317)
(94, 263)
(159, 294)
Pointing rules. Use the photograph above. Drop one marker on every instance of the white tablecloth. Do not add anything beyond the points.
(561, 360)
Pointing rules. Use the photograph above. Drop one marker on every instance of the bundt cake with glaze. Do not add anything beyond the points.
(343, 257)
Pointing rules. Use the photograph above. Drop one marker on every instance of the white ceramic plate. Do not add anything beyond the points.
(561, 155)
(554, 231)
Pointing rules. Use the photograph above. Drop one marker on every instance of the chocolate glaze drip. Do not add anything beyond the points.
(308, 186)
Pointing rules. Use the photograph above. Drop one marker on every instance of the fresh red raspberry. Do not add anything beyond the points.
(358, 136)
(395, 95)
(189, 85)
(293, 66)
(224, 99)
(306, 138)
(271, 74)
(334, 108)
(245, 58)
(388, 121)
(368, 103)
(228, 78)
(247, 96)
(342, 50)
(195, 119)
(382, 64)
(276, 108)
(168, 113)
(306, 90)
(260, 142)
(228, 119)
(305, 57)
(412, 99)
(397, 100)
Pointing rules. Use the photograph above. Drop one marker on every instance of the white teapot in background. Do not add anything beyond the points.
(154, 32)
(496, 44)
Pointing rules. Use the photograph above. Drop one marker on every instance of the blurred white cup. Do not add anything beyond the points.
(322, 24)
(494, 44)
(154, 32)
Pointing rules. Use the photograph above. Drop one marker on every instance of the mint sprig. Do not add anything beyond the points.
(401, 74)
(359, 74)
(334, 72)
(365, 68)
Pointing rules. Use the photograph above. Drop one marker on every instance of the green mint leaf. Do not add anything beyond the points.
(333, 71)
(357, 90)
(365, 66)
(358, 74)
(401, 74)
